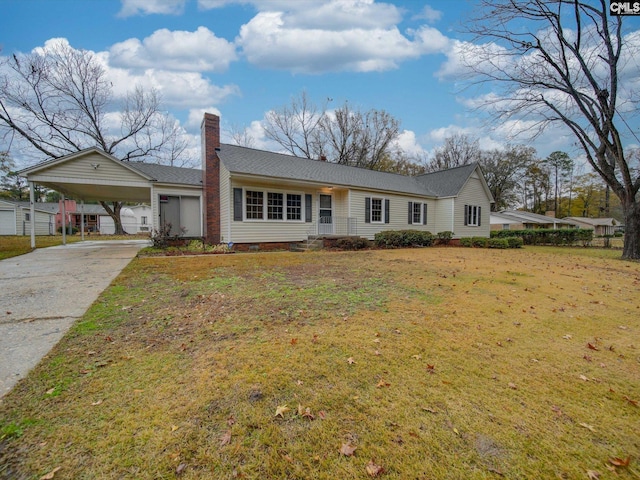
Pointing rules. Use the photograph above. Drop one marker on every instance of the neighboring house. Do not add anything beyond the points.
(600, 226)
(254, 197)
(142, 218)
(15, 218)
(134, 219)
(519, 220)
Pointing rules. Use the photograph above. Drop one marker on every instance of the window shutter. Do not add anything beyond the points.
(424, 214)
(237, 204)
(466, 214)
(386, 210)
(479, 216)
(308, 208)
(367, 210)
(410, 219)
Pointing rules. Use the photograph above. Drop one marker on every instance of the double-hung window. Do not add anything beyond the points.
(294, 206)
(472, 215)
(275, 206)
(417, 213)
(254, 205)
(376, 210)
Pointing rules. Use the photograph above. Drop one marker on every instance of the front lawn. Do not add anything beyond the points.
(401, 364)
(14, 245)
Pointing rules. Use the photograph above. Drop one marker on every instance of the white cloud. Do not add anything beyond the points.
(268, 41)
(148, 7)
(194, 120)
(409, 144)
(176, 50)
(429, 14)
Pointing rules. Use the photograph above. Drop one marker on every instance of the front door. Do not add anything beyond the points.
(326, 215)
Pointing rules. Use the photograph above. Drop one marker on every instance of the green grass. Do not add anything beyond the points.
(12, 246)
(434, 363)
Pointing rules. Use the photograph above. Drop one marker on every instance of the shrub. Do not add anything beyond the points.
(403, 238)
(466, 242)
(514, 242)
(444, 237)
(480, 242)
(352, 243)
(161, 237)
(498, 243)
(74, 230)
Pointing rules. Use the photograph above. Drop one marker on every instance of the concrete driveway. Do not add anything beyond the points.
(43, 292)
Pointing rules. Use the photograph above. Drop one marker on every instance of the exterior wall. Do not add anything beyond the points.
(263, 231)
(472, 193)
(107, 171)
(444, 215)
(398, 213)
(8, 217)
(226, 212)
(45, 223)
(138, 212)
(176, 192)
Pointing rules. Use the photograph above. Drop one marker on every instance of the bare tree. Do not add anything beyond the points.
(563, 62)
(295, 127)
(458, 149)
(57, 100)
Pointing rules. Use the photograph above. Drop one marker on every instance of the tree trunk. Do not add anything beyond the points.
(631, 249)
(113, 211)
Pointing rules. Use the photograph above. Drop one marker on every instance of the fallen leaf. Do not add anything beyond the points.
(174, 428)
(50, 391)
(618, 462)
(582, 377)
(96, 403)
(307, 414)
(181, 468)
(592, 346)
(322, 414)
(429, 409)
(347, 449)
(586, 425)
(294, 341)
(231, 420)
(632, 402)
(455, 430)
(382, 383)
(556, 409)
(374, 470)
(593, 475)
(350, 361)
(513, 386)
(567, 337)
(376, 352)
(315, 338)
(51, 474)
(281, 410)
(299, 382)
(376, 340)
(587, 357)
(226, 438)
(431, 368)
(417, 357)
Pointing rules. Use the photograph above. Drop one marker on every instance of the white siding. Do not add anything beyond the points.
(256, 231)
(45, 223)
(7, 221)
(398, 213)
(106, 171)
(444, 215)
(473, 193)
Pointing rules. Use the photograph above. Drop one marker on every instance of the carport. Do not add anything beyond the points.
(174, 193)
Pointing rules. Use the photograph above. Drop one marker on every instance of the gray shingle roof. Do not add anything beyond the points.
(167, 174)
(49, 207)
(242, 160)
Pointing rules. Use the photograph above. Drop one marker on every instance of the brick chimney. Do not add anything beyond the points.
(210, 132)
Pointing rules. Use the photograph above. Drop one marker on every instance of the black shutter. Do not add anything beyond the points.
(367, 210)
(424, 214)
(479, 216)
(237, 204)
(308, 208)
(386, 210)
(410, 218)
(466, 214)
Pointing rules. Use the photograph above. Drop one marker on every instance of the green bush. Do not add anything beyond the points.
(403, 238)
(498, 243)
(466, 242)
(479, 242)
(548, 236)
(352, 243)
(444, 237)
(514, 242)
(74, 230)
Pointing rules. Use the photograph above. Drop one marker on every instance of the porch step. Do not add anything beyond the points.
(314, 243)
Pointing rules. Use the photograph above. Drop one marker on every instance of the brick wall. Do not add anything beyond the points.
(210, 131)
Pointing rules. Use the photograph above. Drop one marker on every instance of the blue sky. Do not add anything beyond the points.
(241, 58)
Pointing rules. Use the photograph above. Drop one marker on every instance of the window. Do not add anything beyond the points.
(275, 205)
(294, 206)
(472, 215)
(376, 210)
(254, 205)
(417, 213)
(143, 220)
(506, 226)
(264, 205)
(27, 217)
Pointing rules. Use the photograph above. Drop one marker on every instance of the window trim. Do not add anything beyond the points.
(472, 215)
(265, 205)
(381, 199)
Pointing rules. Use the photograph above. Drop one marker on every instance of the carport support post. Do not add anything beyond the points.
(82, 220)
(32, 213)
(64, 220)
